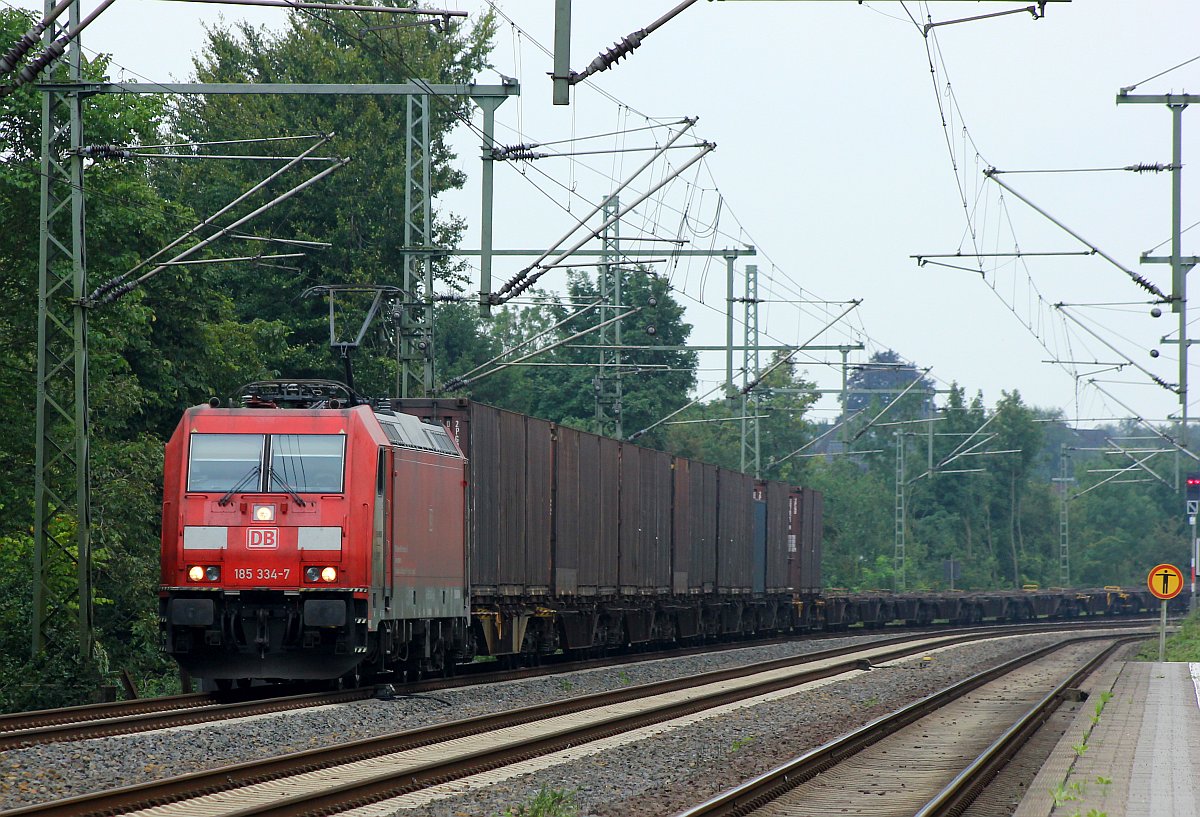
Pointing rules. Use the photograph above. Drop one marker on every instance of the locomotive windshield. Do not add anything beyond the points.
(303, 463)
(308, 463)
(221, 461)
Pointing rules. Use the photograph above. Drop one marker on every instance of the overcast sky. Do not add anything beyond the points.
(840, 155)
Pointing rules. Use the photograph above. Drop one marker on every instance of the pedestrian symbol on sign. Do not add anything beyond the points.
(1165, 581)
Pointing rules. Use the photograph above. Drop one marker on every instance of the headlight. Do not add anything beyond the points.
(212, 573)
(329, 574)
(196, 573)
(264, 513)
(312, 574)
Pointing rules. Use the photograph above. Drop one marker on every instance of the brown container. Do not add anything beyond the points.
(818, 538)
(735, 531)
(539, 482)
(481, 430)
(777, 537)
(568, 519)
(645, 544)
(795, 551)
(811, 528)
(702, 567)
(657, 483)
(509, 484)
(606, 487)
(681, 520)
(510, 510)
(585, 514)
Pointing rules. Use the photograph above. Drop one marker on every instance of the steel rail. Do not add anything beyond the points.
(129, 798)
(960, 792)
(15, 721)
(126, 717)
(755, 793)
(22, 729)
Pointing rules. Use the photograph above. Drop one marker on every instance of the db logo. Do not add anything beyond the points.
(262, 538)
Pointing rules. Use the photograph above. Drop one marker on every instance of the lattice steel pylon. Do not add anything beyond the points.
(609, 390)
(900, 559)
(62, 523)
(415, 373)
(1064, 518)
(751, 440)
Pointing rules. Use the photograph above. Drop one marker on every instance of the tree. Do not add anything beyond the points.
(949, 508)
(151, 353)
(882, 379)
(359, 209)
(1017, 433)
(561, 383)
(715, 436)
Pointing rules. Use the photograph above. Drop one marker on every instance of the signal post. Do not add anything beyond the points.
(1192, 498)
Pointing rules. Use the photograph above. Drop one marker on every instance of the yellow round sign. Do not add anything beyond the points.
(1165, 581)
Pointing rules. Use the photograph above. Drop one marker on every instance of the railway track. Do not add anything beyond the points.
(929, 759)
(127, 717)
(367, 771)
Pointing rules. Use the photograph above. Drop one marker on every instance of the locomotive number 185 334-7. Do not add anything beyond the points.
(271, 573)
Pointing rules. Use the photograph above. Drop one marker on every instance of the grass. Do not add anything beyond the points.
(546, 803)
(741, 743)
(1076, 790)
(1183, 645)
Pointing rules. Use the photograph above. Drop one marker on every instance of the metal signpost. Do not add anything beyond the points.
(1192, 509)
(1165, 582)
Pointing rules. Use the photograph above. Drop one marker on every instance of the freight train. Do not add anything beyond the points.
(310, 534)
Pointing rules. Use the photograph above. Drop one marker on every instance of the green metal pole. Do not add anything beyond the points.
(729, 392)
(489, 105)
(562, 52)
(1178, 270)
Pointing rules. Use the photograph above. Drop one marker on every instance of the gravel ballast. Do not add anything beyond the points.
(658, 776)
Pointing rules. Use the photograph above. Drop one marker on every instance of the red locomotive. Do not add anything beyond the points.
(308, 533)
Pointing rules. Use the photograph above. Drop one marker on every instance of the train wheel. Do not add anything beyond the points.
(223, 684)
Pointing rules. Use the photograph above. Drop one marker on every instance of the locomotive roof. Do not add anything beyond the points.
(399, 429)
(411, 432)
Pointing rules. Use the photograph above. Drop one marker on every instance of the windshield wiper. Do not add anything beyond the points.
(223, 501)
(283, 484)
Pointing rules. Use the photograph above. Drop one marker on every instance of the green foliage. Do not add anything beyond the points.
(1182, 645)
(712, 431)
(546, 803)
(1065, 793)
(740, 743)
(190, 332)
(359, 209)
(558, 381)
